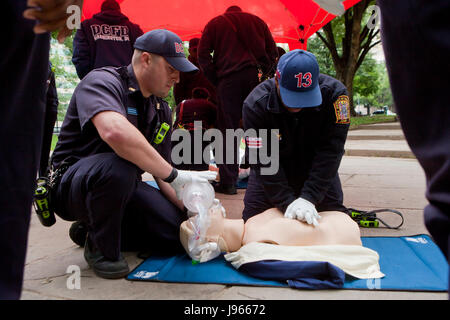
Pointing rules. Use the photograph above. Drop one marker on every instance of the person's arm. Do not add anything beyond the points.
(129, 143)
(329, 151)
(270, 45)
(99, 99)
(165, 150)
(170, 193)
(81, 54)
(204, 50)
(52, 15)
(276, 186)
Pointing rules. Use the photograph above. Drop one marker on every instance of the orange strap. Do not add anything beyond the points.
(180, 114)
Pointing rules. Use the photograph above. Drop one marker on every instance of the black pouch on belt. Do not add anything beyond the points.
(42, 200)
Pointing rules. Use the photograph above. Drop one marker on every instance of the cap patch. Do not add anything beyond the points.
(278, 74)
(342, 109)
(179, 47)
(303, 80)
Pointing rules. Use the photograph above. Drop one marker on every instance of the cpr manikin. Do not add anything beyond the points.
(272, 227)
(271, 236)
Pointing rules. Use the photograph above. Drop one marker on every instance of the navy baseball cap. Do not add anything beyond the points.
(298, 79)
(167, 44)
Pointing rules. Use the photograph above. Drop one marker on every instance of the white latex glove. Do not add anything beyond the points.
(184, 177)
(335, 7)
(303, 210)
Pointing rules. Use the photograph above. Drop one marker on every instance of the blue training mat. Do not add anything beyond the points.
(412, 263)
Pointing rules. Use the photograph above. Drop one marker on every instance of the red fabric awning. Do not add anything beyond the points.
(290, 21)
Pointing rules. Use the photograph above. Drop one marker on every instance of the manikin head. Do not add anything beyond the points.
(227, 233)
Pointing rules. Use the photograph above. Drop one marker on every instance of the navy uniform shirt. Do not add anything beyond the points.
(311, 145)
(104, 90)
(230, 54)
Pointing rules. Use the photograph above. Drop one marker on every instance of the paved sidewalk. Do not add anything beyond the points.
(368, 182)
(378, 140)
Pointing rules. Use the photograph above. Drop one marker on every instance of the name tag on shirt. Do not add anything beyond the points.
(132, 111)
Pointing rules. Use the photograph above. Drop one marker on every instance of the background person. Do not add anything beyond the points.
(189, 81)
(240, 41)
(198, 108)
(106, 39)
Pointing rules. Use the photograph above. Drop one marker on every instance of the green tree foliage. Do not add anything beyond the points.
(369, 85)
(349, 39)
(65, 74)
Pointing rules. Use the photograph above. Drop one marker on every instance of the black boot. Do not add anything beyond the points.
(225, 188)
(78, 232)
(103, 267)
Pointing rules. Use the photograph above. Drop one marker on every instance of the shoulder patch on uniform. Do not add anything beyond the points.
(342, 109)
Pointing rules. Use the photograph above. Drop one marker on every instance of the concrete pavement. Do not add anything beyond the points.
(369, 182)
(378, 140)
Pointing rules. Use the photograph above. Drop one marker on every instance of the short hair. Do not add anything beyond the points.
(194, 42)
(281, 51)
(110, 5)
(137, 54)
(233, 9)
(200, 93)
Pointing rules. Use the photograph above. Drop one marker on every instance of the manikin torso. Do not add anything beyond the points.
(271, 226)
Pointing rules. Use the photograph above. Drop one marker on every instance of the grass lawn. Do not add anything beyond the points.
(357, 121)
(54, 140)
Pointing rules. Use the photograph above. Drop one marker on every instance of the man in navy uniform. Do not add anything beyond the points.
(311, 112)
(118, 126)
(240, 42)
(23, 73)
(106, 39)
(416, 42)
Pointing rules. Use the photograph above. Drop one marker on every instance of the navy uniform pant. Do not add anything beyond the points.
(121, 211)
(416, 40)
(231, 93)
(23, 75)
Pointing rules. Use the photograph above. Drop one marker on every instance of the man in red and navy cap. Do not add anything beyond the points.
(118, 126)
(311, 112)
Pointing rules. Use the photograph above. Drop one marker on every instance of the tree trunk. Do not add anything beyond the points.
(355, 45)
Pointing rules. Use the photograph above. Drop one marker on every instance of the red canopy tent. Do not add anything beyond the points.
(290, 21)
